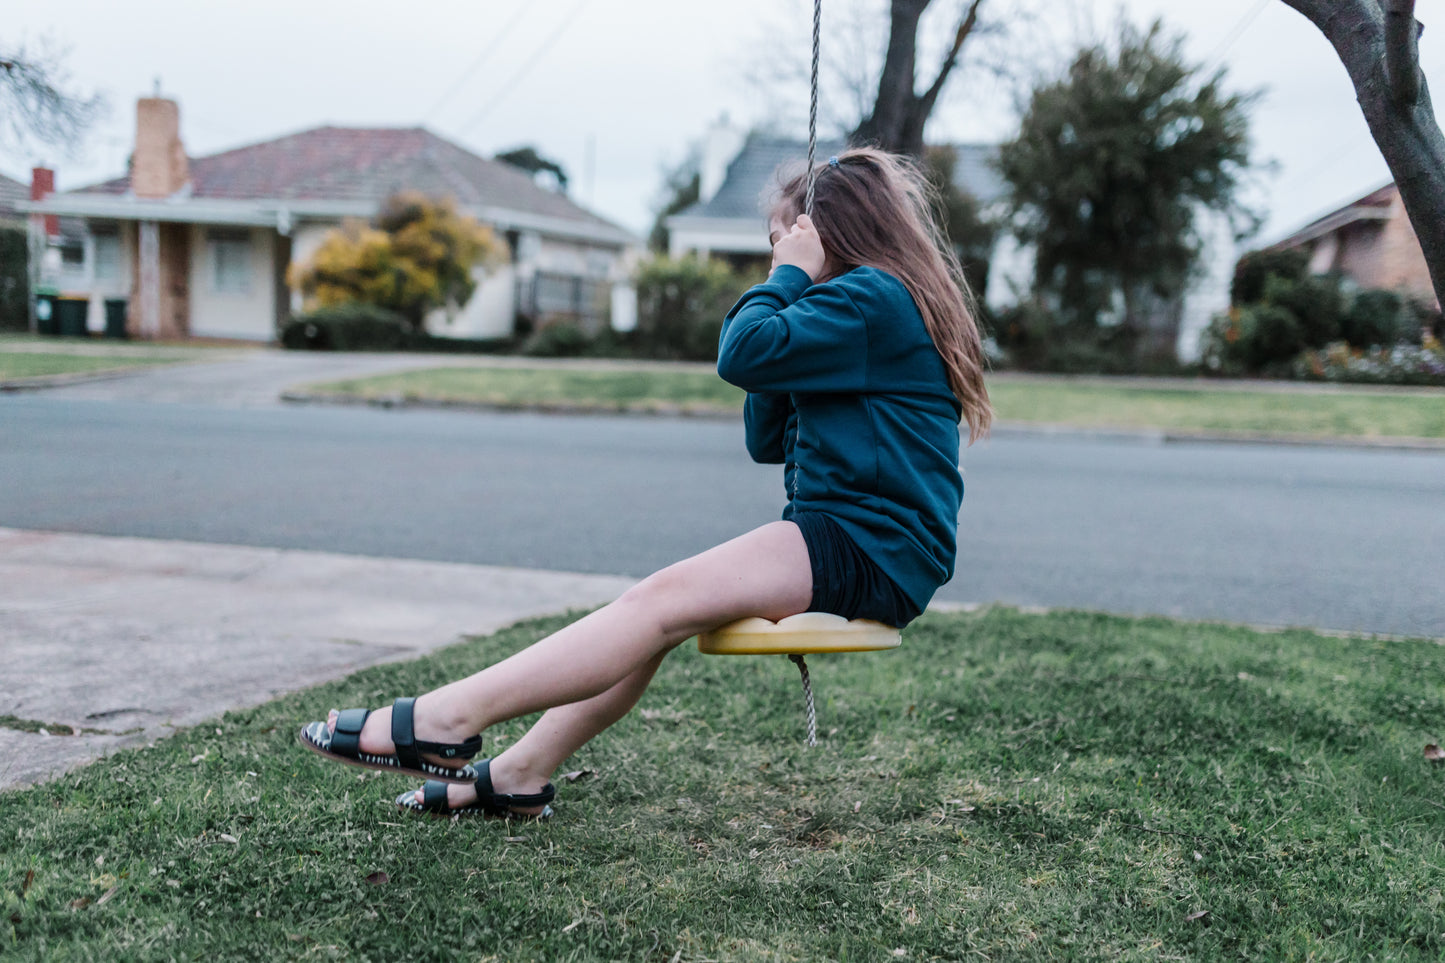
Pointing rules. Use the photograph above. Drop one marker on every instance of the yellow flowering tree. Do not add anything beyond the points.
(418, 254)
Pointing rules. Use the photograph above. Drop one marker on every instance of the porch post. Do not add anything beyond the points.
(149, 288)
(36, 241)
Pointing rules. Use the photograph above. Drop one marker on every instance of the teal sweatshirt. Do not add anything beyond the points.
(847, 392)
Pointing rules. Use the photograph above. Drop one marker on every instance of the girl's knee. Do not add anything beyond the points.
(662, 603)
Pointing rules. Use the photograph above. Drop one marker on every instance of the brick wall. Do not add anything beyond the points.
(159, 166)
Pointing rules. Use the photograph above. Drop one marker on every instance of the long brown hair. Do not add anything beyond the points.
(874, 209)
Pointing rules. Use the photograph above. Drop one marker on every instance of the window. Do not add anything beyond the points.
(107, 255)
(230, 253)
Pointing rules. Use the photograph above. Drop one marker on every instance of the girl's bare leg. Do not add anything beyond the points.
(765, 573)
(527, 764)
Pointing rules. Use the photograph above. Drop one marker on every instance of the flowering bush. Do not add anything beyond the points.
(1400, 364)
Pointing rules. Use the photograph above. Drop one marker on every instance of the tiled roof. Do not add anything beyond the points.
(11, 192)
(751, 175)
(1374, 206)
(366, 164)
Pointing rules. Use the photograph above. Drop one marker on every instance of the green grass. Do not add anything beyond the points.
(1005, 786)
(1198, 408)
(25, 364)
(648, 390)
(1334, 414)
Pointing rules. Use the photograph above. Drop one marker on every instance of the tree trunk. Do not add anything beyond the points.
(1400, 116)
(899, 113)
(888, 126)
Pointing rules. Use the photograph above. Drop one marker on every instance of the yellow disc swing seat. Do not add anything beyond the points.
(807, 633)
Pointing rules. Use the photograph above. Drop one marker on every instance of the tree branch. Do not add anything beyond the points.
(1402, 52)
(965, 27)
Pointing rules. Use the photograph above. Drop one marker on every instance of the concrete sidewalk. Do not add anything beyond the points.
(131, 638)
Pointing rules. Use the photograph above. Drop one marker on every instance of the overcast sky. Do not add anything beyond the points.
(614, 90)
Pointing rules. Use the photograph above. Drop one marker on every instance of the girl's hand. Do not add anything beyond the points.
(801, 247)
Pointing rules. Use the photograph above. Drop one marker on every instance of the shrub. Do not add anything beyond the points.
(561, 339)
(1251, 339)
(1375, 317)
(365, 327)
(1421, 319)
(681, 305)
(1028, 336)
(348, 327)
(418, 255)
(1269, 334)
(1317, 303)
(1256, 267)
(14, 280)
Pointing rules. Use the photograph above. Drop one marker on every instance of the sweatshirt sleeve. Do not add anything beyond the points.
(788, 334)
(765, 422)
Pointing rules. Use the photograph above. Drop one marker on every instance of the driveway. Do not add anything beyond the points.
(124, 640)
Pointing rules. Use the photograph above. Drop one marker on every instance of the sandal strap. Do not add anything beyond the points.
(410, 749)
(548, 793)
(346, 739)
(403, 732)
(501, 803)
(434, 797)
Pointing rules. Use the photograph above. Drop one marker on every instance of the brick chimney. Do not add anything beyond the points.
(42, 185)
(159, 166)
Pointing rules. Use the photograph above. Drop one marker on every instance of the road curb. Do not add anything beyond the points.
(1159, 436)
(539, 407)
(1152, 436)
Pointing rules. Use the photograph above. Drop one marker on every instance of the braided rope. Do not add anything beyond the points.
(813, 110)
(808, 208)
(808, 695)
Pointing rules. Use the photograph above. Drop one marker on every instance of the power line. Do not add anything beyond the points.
(537, 55)
(1216, 56)
(501, 35)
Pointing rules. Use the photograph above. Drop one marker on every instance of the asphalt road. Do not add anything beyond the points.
(1332, 538)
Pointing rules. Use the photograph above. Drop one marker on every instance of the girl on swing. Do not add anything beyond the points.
(860, 356)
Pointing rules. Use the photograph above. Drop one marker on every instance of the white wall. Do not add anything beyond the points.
(1208, 293)
(487, 313)
(249, 316)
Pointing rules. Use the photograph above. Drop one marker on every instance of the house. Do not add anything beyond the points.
(200, 247)
(738, 170)
(1369, 241)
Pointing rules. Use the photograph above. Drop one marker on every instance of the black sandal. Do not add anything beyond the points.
(489, 804)
(344, 745)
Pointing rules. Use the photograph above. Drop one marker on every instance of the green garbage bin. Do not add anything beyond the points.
(115, 317)
(46, 321)
(70, 315)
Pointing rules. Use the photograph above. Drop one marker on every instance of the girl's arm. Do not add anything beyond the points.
(765, 420)
(776, 338)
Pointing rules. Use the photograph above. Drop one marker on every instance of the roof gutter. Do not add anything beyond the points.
(1328, 225)
(283, 214)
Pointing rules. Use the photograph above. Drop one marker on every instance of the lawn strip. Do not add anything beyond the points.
(15, 366)
(655, 389)
(1301, 415)
(1006, 785)
(1329, 414)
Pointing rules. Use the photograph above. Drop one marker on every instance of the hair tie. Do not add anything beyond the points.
(833, 161)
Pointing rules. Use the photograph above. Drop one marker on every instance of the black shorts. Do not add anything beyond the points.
(847, 582)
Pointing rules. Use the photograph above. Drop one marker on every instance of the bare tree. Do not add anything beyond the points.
(870, 62)
(1376, 41)
(900, 111)
(36, 101)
